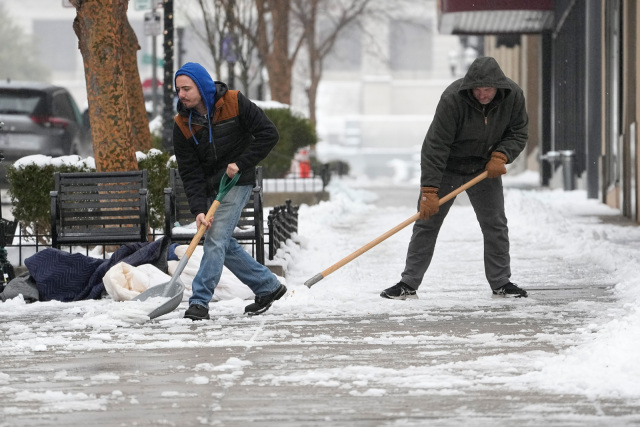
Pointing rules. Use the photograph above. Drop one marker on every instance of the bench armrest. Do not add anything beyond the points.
(169, 209)
(54, 218)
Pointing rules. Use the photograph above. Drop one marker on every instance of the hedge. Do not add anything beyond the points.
(295, 132)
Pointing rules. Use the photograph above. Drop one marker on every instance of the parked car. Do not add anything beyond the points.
(40, 118)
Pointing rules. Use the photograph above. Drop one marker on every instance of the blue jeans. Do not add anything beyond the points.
(220, 248)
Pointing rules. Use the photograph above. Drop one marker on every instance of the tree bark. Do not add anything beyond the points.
(277, 60)
(99, 27)
(140, 133)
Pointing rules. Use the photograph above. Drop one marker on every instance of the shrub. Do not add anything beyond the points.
(29, 187)
(295, 132)
(157, 163)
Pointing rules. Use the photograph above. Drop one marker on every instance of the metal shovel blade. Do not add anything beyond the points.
(173, 289)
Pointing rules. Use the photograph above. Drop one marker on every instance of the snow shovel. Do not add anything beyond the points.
(174, 288)
(315, 279)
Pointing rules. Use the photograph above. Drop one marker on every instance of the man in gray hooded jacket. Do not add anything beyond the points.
(480, 124)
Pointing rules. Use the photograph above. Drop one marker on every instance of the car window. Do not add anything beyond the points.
(21, 102)
(62, 107)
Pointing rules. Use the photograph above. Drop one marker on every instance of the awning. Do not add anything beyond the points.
(494, 16)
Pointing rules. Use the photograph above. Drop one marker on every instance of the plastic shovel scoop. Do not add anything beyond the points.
(174, 288)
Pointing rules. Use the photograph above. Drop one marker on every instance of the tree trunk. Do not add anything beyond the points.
(278, 61)
(99, 27)
(315, 61)
(140, 133)
(275, 55)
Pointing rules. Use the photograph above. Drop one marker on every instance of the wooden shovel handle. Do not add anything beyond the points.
(226, 184)
(400, 226)
(202, 229)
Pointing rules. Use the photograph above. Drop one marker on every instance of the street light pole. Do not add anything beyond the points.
(167, 112)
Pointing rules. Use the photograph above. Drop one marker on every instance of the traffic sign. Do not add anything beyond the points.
(147, 59)
(148, 4)
(142, 4)
(152, 23)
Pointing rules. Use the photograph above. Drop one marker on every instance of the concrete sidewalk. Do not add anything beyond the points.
(254, 370)
(313, 369)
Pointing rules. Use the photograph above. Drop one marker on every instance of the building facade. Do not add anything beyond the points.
(579, 66)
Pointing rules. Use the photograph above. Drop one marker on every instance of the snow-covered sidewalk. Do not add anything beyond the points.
(338, 353)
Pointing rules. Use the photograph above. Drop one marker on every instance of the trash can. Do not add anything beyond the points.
(568, 158)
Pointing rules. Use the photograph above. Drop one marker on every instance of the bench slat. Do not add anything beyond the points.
(92, 208)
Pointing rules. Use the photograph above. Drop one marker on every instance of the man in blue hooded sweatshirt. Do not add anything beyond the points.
(220, 131)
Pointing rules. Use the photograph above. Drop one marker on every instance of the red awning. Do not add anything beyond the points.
(494, 16)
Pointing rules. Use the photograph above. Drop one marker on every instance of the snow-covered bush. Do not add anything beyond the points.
(157, 163)
(31, 179)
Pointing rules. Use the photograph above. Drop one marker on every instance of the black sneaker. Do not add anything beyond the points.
(400, 291)
(510, 290)
(263, 303)
(197, 312)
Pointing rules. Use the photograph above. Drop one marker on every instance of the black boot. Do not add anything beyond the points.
(263, 303)
(400, 291)
(510, 290)
(197, 312)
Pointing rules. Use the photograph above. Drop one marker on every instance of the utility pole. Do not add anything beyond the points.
(152, 28)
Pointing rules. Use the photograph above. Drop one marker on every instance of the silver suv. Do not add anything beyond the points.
(40, 118)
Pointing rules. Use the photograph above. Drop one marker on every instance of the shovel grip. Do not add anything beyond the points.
(202, 229)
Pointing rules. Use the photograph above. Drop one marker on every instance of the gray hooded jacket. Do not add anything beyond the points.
(464, 132)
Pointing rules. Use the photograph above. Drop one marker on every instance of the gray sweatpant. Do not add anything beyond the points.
(487, 200)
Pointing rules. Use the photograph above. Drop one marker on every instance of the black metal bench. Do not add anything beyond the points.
(250, 228)
(99, 208)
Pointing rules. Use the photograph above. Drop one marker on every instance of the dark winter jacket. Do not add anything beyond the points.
(464, 132)
(241, 133)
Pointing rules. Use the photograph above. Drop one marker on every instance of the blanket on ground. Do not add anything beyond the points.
(65, 277)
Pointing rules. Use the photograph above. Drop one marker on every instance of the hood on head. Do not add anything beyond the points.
(484, 72)
(203, 81)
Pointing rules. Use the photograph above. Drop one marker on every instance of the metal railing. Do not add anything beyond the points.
(282, 222)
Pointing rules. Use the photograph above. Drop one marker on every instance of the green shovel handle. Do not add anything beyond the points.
(226, 184)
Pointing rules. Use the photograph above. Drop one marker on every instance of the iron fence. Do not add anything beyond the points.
(282, 222)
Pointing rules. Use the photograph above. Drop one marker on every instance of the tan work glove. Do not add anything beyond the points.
(495, 166)
(429, 202)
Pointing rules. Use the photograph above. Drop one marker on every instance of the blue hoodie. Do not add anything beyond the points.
(206, 86)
